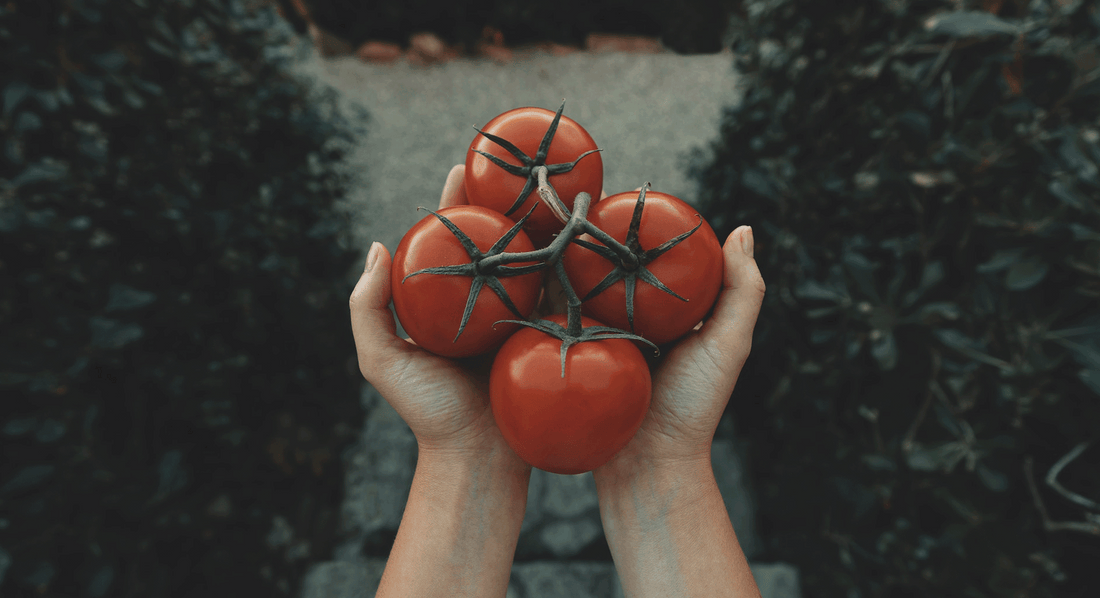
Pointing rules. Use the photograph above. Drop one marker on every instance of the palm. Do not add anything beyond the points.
(449, 401)
(685, 407)
(694, 379)
(445, 402)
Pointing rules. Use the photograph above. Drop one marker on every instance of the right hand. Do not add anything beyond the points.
(692, 383)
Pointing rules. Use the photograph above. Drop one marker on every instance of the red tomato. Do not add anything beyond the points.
(489, 185)
(430, 306)
(575, 423)
(692, 269)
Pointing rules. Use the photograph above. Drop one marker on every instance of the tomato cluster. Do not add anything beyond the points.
(567, 391)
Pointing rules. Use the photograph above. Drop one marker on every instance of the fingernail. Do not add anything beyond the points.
(372, 255)
(746, 241)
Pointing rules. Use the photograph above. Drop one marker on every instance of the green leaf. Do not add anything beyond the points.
(133, 99)
(163, 29)
(993, 480)
(811, 289)
(821, 312)
(149, 87)
(27, 121)
(1026, 273)
(970, 23)
(862, 271)
(924, 459)
(1073, 157)
(27, 478)
(13, 94)
(110, 61)
(41, 171)
(944, 309)
(101, 106)
(932, 275)
(160, 48)
(1067, 193)
(1091, 378)
(963, 344)
(885, 350)
(112, 334)
(879, 463)
(1083, 233)
(123, 297)
(1002, 259)
(12, 378)
(947, 419)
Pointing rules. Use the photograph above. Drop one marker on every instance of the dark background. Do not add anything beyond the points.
(924, 194)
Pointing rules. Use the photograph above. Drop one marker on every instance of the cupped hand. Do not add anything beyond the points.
(693, 380)
(445, 402)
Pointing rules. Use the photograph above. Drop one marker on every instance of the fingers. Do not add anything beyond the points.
(728, 332)
(372, 322)
(454, 191)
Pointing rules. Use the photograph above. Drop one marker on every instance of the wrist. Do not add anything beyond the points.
(668, 530)
(495, 472)
(648, 491)
(461, 523)
(497, 463)
(628, 465)
(488, 451)
(625, 471)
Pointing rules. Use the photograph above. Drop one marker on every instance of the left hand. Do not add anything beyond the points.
(445, 402)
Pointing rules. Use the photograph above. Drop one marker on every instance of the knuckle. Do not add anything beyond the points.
(757, 283)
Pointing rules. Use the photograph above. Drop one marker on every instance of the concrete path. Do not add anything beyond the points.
(649, 113)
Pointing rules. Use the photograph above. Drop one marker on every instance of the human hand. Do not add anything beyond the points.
(663, 514)
(460, 526)
(444, 401)
(693, 381)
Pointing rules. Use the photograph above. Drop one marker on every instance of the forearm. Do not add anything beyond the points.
(669, 532)
(458, 534)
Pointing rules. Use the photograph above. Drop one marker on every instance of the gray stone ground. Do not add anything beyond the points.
(648, 112)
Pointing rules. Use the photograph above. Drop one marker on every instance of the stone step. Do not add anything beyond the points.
(541, 579)
(561, 520)
(562, 516)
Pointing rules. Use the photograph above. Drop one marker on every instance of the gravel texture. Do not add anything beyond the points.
(647, 112)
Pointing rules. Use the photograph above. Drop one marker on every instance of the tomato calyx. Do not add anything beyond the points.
(630, 258)
(530, 166)
(483, 274)
(573, 333)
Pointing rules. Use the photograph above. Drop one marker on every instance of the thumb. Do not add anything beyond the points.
(372, 322)
(728, 332)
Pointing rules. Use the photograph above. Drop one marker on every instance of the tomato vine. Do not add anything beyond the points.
(628, 259)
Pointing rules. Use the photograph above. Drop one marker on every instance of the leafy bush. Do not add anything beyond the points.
(689, 27)
(177, 374)
(922, 181)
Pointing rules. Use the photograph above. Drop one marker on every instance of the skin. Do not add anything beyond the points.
(663, 515)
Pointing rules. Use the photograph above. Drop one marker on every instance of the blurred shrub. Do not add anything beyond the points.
(689, 27)
(176, 370)
(922, 181)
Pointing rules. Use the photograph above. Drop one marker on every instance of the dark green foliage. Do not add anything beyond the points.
(176, 368)
(921, 177)
(693, 26)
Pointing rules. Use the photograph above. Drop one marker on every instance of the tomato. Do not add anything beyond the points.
(430, 306)
(575, 423)
(692, 269)
(490, 185)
